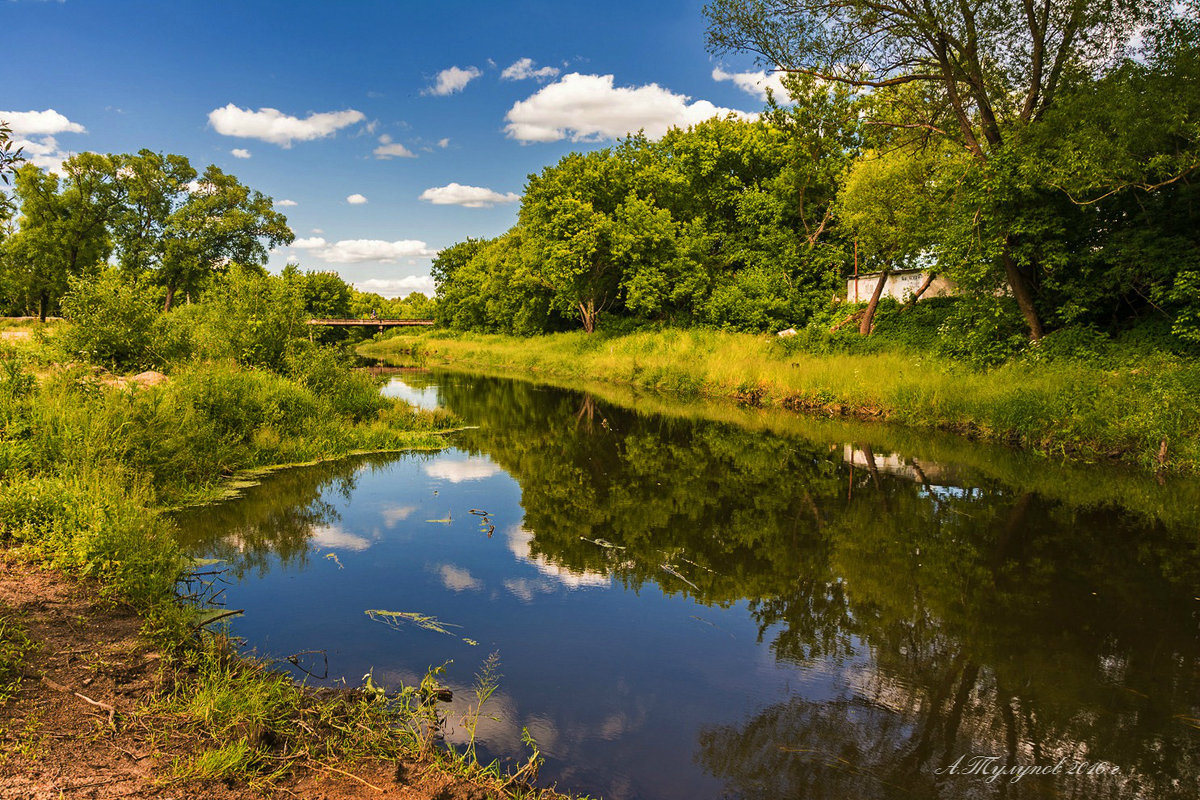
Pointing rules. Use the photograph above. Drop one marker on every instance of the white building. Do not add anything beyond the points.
(900, 284)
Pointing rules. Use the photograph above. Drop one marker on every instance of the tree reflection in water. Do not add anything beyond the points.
(970, 616)
(969, 600)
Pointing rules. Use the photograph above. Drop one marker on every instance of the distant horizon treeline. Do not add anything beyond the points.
(1084, 205)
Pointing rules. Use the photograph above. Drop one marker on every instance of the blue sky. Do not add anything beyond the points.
(433, 112)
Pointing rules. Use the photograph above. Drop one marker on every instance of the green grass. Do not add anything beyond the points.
(88, 470)
(1064, 408)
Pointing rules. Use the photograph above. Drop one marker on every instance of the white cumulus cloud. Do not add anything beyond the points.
(455, 194)
(389, 149)
(357, 251)
(286, 203)
(520, 545)
(42, 152)
(37, 123)
(590, 108)
(272, 125)
(522, 69)
(755, 83)
(458, 579)
(239, 152)
(452, 80)
(398, 287)
(444, 142)
(457, 470)
(394, 514)
(356, 199)
(334, 538)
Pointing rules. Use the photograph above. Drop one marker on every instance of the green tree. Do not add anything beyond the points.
(895, 204)
(568, 211)
(155, 187)
(982, 70)
(324, 295)
(220, 222)
(63, 227)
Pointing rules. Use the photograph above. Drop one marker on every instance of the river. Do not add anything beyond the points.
(702, 601)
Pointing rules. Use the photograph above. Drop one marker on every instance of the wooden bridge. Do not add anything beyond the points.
(369, 323)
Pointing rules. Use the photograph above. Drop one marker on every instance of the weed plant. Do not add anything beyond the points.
(14, 645)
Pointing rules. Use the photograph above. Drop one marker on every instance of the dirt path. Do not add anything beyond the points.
(69, 732)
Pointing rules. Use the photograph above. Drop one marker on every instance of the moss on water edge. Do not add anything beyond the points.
(1146, 414)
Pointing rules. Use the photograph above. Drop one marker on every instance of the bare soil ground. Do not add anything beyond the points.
(71, 731)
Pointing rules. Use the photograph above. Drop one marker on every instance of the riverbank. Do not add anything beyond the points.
(110, 685)
(1146, 415)
(92, 716)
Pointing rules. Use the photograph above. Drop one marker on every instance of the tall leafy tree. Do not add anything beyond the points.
(571, 214)
(981, 69)
(63, 226)
(220, 222)
(155, 188)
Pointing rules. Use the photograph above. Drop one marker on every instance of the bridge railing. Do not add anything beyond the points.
(374, 323)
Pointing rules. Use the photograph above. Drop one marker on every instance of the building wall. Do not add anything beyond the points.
(899, 286)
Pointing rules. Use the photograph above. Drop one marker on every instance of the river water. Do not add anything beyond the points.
(691, 601)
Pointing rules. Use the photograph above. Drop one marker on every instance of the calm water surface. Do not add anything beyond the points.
(713, 603)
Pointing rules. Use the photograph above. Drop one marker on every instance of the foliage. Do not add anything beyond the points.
(154, 214)
(9, 159)
(62, 229)
(115, 321)
(248, 316)
(700, 227)
(1048, 105)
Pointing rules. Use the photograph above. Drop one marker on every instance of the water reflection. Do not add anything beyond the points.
(697, 609)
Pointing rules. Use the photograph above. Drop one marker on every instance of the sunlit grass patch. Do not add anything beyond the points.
(1147, 415)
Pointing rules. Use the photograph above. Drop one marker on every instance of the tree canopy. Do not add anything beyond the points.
(153, 214)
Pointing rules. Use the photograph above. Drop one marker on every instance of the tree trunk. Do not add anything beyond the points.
(170, 298)
(1022, 293)
(925, 284)
(43, 302)
(868, 320)
(587, 312)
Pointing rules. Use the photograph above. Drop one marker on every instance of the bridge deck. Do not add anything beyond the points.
(369, 323)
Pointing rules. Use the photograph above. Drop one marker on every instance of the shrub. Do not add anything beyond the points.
(115, 318)
(1083, 343)
(325, 372)
(983, 331)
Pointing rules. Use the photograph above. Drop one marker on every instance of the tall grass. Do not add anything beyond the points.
(1062, 407)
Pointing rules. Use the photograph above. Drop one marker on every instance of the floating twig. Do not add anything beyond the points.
(233, 612)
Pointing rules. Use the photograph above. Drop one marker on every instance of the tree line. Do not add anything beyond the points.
(163, 230)
(1041, 155)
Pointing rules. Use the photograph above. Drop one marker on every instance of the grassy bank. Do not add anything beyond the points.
(89, 466)
(1145, 414)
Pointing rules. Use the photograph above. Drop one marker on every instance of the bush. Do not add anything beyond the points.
(983, 331)
(349, 393)
(1082, 343)
(115, 319)
(248, 316)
